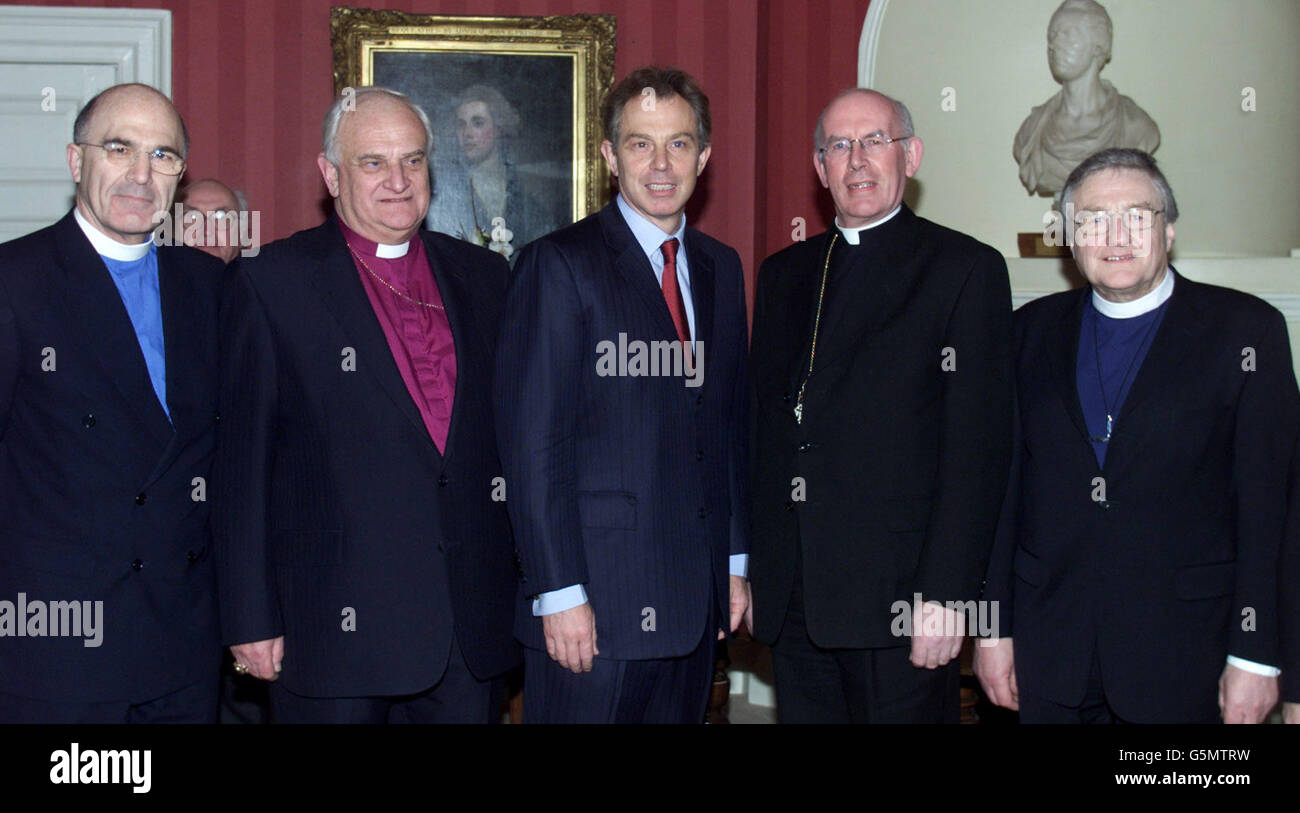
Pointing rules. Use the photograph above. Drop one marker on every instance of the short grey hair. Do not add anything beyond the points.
(902, 116)
(350, 101)
(1121, 158)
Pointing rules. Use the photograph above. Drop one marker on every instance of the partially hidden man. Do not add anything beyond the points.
(364, 564)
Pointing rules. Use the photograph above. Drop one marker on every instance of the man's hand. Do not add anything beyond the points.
(261, 658)
(995, 666)
(739, 603)
(1245, 697)
(1291, 713)
(571, 637)
(930, 651)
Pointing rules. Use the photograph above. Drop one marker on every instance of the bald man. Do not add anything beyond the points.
(217, 207)
(108, 411)
(881, 362)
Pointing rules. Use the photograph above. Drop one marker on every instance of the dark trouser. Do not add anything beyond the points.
(196, 703)
(457, 697)
(817, 685)
(667, 690)
(1093, 709)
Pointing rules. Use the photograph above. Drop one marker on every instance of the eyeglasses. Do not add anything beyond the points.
(194, 215)
(161, 160)
(1094, 226)
(872, 144)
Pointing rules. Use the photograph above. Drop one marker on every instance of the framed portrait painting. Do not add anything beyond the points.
(514, 103)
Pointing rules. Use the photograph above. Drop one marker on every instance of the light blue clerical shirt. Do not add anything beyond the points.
(651, 239)
(134, 269)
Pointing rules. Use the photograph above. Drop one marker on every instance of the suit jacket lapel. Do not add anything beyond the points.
(343, 294)
(702, 276)
(1064, 349)
(181, 351)
(183, 362)
(97, 310)
(634, 266)
(1162, 369)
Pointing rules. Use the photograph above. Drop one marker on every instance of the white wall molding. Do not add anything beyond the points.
(869, 41)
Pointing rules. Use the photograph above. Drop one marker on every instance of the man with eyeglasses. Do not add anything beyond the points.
(882, 392)
(108, 411)
(210, 213)
(1137, 555)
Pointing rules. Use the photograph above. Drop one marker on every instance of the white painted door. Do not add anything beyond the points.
(51, 61)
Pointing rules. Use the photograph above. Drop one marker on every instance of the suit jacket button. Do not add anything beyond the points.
(805, 446)
(1104, 505)
(140, 498)
(88, 421)
(786, 397)
(442, 481)
(699, 400)
(191, 557)
(137, 565)
(217, 419)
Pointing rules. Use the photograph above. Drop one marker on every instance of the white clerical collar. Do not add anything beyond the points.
(853, 236)
(107, 246)
(1143, 304)
(385, 251)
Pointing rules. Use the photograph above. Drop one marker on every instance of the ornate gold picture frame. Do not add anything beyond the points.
(514, 103)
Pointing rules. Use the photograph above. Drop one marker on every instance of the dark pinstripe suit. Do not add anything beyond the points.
(330, 493)
(632, 486)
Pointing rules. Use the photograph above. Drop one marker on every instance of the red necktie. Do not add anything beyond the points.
(673, 295)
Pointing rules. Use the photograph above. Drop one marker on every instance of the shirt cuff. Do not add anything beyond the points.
(557, 601)
(739, 565)
(1252, 667)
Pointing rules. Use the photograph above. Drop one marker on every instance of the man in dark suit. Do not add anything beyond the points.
(1136, 560)
(364, 553)
(108, 404)
(1289, 596)
(882, 401)
(626, 472)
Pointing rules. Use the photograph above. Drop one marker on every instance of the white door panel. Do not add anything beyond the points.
(51, 61)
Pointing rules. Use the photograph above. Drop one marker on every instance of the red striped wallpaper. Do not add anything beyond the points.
(252, 79)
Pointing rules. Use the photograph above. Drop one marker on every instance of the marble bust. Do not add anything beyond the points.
(1087, 114)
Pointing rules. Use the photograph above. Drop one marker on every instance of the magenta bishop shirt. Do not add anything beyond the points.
(418, 336)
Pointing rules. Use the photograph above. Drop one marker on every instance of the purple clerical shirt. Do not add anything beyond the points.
(419, 336)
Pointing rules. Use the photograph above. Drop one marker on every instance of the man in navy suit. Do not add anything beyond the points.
(1289, 597)
(108, 410)
(1136, 559)
(363, 549)
(620, 394)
